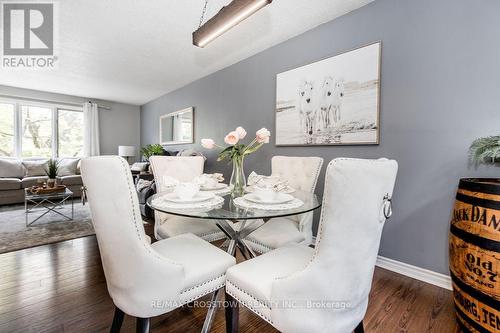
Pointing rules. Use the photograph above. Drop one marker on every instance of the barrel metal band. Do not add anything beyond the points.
(478, 201)
(481, 242)
(480, 185)
(464, 328)
(471, 322)
(481, 297)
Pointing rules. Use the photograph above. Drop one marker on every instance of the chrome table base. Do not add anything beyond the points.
(235, 240)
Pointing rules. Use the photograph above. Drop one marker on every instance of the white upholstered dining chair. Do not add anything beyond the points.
(302, 174)
(184, 169)
(300, 289)
(143, 279)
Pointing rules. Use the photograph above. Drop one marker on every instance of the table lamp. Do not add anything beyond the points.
(126, 151)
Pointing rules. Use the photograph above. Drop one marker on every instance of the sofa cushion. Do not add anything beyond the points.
(67, 166)
(35, 167)
(11, 168)
(32, 181)
(10, 184)
(70, 180)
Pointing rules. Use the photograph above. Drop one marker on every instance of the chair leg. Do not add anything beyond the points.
(232, 314)
(359, 328)
(142, 325)
(117, 321)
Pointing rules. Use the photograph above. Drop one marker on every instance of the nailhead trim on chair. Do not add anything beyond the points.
(263, 248)
(245, 303)
(133, 207)
(207, 236)
(316, 176)
(258, 245)
(322, 217)
(201, 284)
(316, 248)
(203, 294)
(214, 238)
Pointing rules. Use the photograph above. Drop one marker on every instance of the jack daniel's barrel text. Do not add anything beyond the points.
(475, 254)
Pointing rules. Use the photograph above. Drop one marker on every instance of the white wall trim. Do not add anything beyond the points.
(418, 273)
(421, 274)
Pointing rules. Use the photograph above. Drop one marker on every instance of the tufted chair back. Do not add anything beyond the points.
(133, 270)
(182, 168)
(341, 269)
(301, 172)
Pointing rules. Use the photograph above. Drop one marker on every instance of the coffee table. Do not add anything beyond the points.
(50, 202)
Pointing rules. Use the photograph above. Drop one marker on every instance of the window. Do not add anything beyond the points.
(36, 131)
(70, 133)
(40, 130)
(7, 129)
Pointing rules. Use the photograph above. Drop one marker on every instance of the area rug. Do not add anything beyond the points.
(51, 228)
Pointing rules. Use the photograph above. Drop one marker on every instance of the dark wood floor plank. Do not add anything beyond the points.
(61, 288)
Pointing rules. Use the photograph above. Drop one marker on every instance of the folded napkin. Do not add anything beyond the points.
(274, 182)
(168, 183)
(209, 178)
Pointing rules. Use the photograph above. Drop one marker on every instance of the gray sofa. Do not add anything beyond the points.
(16, 175)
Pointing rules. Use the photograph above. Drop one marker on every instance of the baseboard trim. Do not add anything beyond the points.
(417, 273)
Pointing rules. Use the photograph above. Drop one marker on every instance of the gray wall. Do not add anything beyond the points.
(118, 126)
(440, 90)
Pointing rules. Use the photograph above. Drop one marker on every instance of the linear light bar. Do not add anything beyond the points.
(225, 19)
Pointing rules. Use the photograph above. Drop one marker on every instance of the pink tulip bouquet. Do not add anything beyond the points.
(237, 151)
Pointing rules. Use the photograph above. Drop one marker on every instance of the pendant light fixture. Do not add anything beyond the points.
(225, 19)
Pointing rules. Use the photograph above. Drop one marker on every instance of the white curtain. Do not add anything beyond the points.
(91, 129)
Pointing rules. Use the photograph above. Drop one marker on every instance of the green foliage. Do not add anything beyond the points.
(239, 151)
(52, 166)
(232, 152)
(151, 150)
(485, 150)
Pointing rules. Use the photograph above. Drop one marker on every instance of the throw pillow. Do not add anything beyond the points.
(11, 168)
(35, 167)
(139, 166)
(67, 166)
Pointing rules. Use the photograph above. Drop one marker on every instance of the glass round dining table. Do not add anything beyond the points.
(237, 222)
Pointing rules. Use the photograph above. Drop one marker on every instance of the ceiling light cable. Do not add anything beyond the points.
(203, 13)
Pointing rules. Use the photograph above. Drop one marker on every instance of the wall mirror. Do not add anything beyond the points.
(177, 127)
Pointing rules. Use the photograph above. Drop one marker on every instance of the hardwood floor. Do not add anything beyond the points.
(61, 288)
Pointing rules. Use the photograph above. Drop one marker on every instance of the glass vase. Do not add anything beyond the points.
(238, 181)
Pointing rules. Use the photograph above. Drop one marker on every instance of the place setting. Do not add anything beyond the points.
(203, 193)
(268, 193)
(213, 183)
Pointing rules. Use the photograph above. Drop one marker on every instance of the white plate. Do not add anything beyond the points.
(280, 198)
(198, 197)
(288, 190)
(219, 186)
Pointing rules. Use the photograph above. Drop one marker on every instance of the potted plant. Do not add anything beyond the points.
(51, 171)
(236, 152)
(485, 150)
(151, 150)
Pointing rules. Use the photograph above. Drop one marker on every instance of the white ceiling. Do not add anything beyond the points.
(134, 51)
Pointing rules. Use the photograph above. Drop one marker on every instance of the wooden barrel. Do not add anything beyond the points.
(475, 255)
